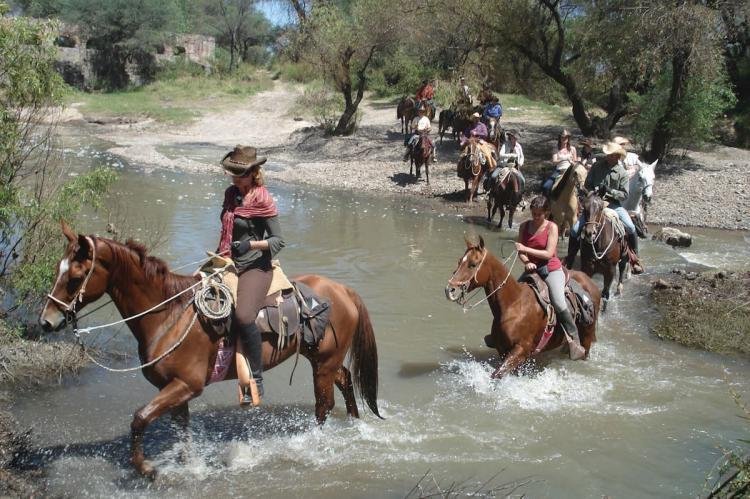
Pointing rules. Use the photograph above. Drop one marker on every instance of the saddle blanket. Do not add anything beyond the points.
(617, 224)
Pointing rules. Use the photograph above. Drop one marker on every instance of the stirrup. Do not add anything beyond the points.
(249, 395)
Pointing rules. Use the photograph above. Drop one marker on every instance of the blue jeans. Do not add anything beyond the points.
(547, 185)
(622, 213)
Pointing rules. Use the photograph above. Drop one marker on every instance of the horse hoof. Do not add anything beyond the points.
(147, 470)
(619, 290)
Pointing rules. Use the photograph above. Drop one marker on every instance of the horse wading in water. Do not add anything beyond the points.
(184, 346)
(519, 321)
(564, 197)
(603, 245)
(640, 192)
(504, 193)
(470, 168)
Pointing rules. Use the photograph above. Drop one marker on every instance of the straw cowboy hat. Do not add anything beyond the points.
(239, 162)
(613, 148)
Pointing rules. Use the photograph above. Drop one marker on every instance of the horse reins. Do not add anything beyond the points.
(600, 224)
(464, 284)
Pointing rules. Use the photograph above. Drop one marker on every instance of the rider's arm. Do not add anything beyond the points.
(620, 191)
(519, 157)
(274, 241)
(522, 255)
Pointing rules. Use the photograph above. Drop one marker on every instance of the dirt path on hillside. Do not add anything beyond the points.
(704, 188)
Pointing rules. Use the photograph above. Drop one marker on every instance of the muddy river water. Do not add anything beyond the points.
(641, 418)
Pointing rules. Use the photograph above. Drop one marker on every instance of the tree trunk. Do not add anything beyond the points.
(662, 134)
(345, 126)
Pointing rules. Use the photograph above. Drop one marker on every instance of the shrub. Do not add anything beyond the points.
(325, 106)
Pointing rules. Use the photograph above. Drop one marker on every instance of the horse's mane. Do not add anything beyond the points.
(154, 269)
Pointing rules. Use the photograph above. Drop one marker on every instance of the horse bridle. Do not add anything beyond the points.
(68, 309)
(464, 285)
(600, 224)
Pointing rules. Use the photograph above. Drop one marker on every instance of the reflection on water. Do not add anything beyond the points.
(642, 418)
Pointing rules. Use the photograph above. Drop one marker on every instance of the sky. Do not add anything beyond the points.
(278, 14)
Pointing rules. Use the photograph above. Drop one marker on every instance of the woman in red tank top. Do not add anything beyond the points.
(537, 249)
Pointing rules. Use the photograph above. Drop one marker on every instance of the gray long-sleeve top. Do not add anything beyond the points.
(614, 180)
(257, 229)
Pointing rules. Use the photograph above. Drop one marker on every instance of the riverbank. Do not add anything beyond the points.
(707, 188)
(26, 363)
(710, 311)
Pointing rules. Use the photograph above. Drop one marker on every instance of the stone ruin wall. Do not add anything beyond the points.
(76, 62)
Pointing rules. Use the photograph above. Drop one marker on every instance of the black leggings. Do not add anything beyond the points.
(251, 293)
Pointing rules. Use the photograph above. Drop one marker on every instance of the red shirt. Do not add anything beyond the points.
(538, 241)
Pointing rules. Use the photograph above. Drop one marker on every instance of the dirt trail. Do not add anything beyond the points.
(708, 188)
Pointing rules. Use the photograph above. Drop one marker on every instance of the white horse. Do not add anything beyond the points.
(641, 188)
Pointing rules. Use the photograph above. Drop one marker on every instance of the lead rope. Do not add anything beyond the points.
(601, 231)
(147, 364)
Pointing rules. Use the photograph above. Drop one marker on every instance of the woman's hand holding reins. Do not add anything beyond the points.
(530, 267)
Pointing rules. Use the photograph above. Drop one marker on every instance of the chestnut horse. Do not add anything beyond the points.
(601, 248)
(406, 111)
(420, 155)
(505, 196)
(518, 319)
(470, 167)
(136, 282)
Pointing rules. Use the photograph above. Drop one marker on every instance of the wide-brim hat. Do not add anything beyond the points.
(512, 132)
(241, 160)
(476, 115)
(613, 148)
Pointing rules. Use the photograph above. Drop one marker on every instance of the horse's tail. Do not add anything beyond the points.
(364, 354)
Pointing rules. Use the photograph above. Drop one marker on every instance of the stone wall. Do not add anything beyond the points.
(76, 63)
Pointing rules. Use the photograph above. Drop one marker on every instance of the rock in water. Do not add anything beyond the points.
(674, 237)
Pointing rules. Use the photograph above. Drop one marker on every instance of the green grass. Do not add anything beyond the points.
(552, 111)
(175, 100)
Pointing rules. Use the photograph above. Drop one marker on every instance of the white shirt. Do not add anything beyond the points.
(517, 150)
(421, 124)
(631, 163)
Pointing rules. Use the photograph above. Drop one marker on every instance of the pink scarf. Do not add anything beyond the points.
(256, 203)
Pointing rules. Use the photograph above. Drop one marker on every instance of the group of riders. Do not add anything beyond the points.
(608, 176)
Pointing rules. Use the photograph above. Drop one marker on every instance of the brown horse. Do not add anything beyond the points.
(420, 155)
(602, 249)
(406, 111)
(136, 282)
(495, 133)
(564, 197)
(504, 195)
(470, 168)
(518, 319)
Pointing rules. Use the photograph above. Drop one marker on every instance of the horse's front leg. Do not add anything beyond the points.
(181, 418)
(622, 267)
(502, 214)
(176, 393)
(511, 211)
(490, 211)
(515, 358)
(609, 274)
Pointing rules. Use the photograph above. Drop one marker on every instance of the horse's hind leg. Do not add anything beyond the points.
(502, 214)
(323, 379)
(511, 211)
(176, 393)
(609, 274)
(344, 384)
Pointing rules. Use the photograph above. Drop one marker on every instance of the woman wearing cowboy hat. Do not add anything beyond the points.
(587, 157)
(609, 180)
(250, 231)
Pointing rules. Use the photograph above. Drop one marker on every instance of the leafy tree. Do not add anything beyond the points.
(342, 41)
(238, 26)
(35, 190)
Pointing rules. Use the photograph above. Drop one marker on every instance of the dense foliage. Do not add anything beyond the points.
(35, 188)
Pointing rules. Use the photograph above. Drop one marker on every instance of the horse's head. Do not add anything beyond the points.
(592, 208)
(491, 124)
(581, 173)
(647, 176)
(470, 273)
(81, 279)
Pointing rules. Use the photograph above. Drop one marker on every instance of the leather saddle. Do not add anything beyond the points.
(579, 302)
(294, 311)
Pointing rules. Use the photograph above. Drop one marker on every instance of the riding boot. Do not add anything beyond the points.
(573, 246)
(252, 344)
(565, 318)
(635, 263)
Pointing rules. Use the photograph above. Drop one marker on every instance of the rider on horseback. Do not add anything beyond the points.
(464, 94)
(510, 155)
(564, 156)
(609, 180)
(421, 126)
(250, 229)
(537, 249)
(492, 110)
(587, 157)
(476, 129)
(631, 162)
(426, 95)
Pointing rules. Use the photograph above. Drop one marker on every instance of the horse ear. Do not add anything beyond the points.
(67, 231)
(653, 165)
(84, 242)
(481, 242)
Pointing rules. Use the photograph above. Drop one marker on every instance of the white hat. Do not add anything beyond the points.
(476, 115)
(613, 148)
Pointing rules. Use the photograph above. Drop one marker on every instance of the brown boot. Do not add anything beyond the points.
(577, 352)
